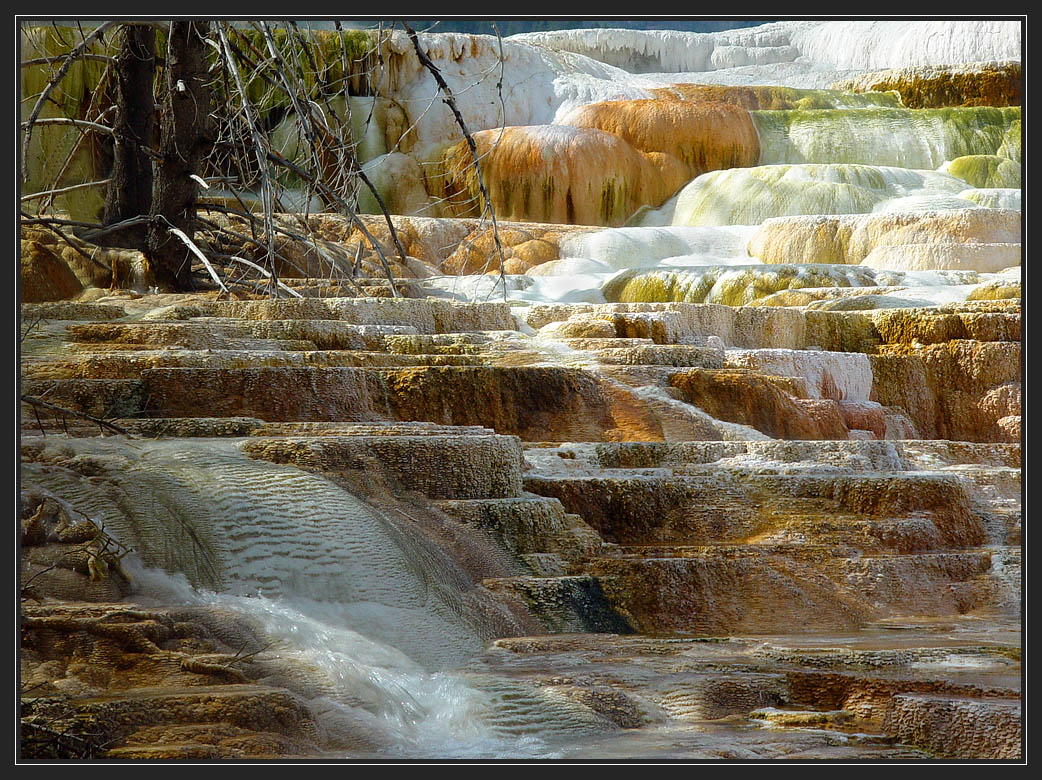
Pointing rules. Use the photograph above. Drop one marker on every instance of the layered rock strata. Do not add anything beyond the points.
(664, 470)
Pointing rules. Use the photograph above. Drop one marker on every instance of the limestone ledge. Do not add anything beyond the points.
(149, 670)
(973, 84)
(957, 728)
(439, 466)
(756, 327)
(855, 456)
(851, 238)
(732, 507)
(529, 525)
(851, 688)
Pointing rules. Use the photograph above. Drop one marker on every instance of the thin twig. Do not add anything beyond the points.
(197, 252)
(309, 128)
(64, 120)
(76, 147)
(83, 415)
(60, 190)
(114, 227)
(260, 144)
(71, 57)
(267, 275)
(295, 236)
(30, 328)
(59, 58)
(450, 101)
(348, 211)
(28, 219)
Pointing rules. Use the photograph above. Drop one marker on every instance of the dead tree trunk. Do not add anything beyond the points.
(129, 193)
(186, 137)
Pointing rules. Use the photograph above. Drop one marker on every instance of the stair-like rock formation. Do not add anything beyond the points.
(678, 471)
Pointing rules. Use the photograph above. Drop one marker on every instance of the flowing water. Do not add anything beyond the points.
(368, 619)
(364, 622)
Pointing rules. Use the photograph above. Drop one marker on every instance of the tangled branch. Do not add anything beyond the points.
(450, 101)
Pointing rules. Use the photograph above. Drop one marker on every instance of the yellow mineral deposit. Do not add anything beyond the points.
(980, 84)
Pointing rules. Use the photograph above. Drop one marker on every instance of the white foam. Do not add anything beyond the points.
(840, 376)
(643, 247)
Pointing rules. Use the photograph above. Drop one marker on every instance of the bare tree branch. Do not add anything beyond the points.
(62, 120)
(71, 57)
(349, 212)
(450, 101)
(95, 234)
(253, 265)
(196, 251)
(83, 415)
(260, 145)
(51, 60)
(60, 190)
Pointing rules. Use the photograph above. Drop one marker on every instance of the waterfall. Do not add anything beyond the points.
(364, 618)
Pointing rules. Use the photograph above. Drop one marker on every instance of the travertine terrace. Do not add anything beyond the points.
(730, 469)
(647, 471)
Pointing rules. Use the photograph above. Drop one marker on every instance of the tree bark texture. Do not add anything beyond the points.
(186, 137)
(130, 193)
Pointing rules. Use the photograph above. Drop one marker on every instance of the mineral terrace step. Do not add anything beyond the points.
(907, 455)
(426, 315)
(206, 427)
(839, 681)
(681, 356)
(749, 591)
(731, 507)
(217, 333)
(532, 402)
(441, 466)
(248, 706)
(69, 310)
(127, 364)
(753, 327)
(957, 727)
(528, 525)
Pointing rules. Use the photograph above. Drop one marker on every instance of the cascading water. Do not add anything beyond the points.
(364, 619)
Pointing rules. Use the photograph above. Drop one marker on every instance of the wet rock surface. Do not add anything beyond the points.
(104, 680)
(672, 523)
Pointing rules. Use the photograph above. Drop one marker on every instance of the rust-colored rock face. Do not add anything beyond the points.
(957, 390)
(45, 277)
(957, 728)
(991, 84)
(705, 136)
(756, 401)
(557, 173)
